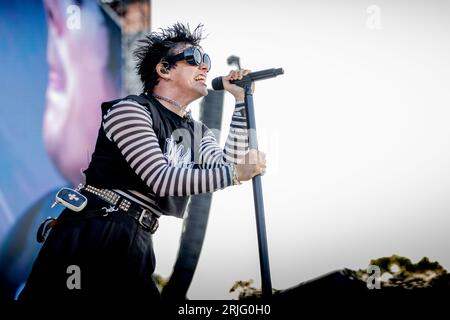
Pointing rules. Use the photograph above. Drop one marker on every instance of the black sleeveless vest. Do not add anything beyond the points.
(108, 168)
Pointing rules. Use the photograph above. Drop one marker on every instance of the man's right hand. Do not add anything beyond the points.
(252, 164)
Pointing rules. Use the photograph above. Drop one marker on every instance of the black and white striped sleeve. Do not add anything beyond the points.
(236, 145)
(130, 126)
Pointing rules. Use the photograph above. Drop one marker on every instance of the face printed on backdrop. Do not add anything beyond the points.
(78, 82)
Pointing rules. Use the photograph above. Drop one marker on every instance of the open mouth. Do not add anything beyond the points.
(200, 78)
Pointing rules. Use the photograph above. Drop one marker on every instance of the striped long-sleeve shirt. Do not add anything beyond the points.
(130, 126)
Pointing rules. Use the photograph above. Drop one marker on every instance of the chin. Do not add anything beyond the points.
(204, 91)
(200, 93)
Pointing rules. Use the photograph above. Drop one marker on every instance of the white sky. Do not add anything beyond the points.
(356, 133)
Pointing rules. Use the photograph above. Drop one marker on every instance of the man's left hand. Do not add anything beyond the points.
(235, 90)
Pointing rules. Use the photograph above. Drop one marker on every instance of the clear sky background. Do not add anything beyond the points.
(356, 134)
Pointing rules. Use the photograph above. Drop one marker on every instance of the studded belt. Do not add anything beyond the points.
(147, 219)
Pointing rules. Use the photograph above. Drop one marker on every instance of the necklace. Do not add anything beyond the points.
(186, 114)
(171, 101)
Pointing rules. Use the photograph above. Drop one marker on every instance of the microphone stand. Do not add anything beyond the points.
(258, 196)
(246, 83)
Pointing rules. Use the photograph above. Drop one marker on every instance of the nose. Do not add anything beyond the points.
(203, 66)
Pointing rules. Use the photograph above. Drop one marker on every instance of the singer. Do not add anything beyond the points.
(145, 164)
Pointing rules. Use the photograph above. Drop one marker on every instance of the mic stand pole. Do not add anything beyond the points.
(258, 196)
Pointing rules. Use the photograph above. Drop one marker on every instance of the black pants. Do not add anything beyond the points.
(112, 255)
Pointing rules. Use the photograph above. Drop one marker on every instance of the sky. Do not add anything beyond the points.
(356, 135)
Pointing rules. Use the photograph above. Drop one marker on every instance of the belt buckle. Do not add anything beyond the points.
(153, 222)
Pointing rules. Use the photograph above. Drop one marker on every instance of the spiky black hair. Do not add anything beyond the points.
(158, 45)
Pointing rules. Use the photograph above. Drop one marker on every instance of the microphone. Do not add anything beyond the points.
(217, 83)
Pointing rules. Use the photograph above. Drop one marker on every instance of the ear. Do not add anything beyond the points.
(162, 71)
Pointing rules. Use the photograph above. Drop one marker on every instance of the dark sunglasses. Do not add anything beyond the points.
(193, 56)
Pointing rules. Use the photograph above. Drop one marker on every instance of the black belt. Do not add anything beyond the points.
(147, 219)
